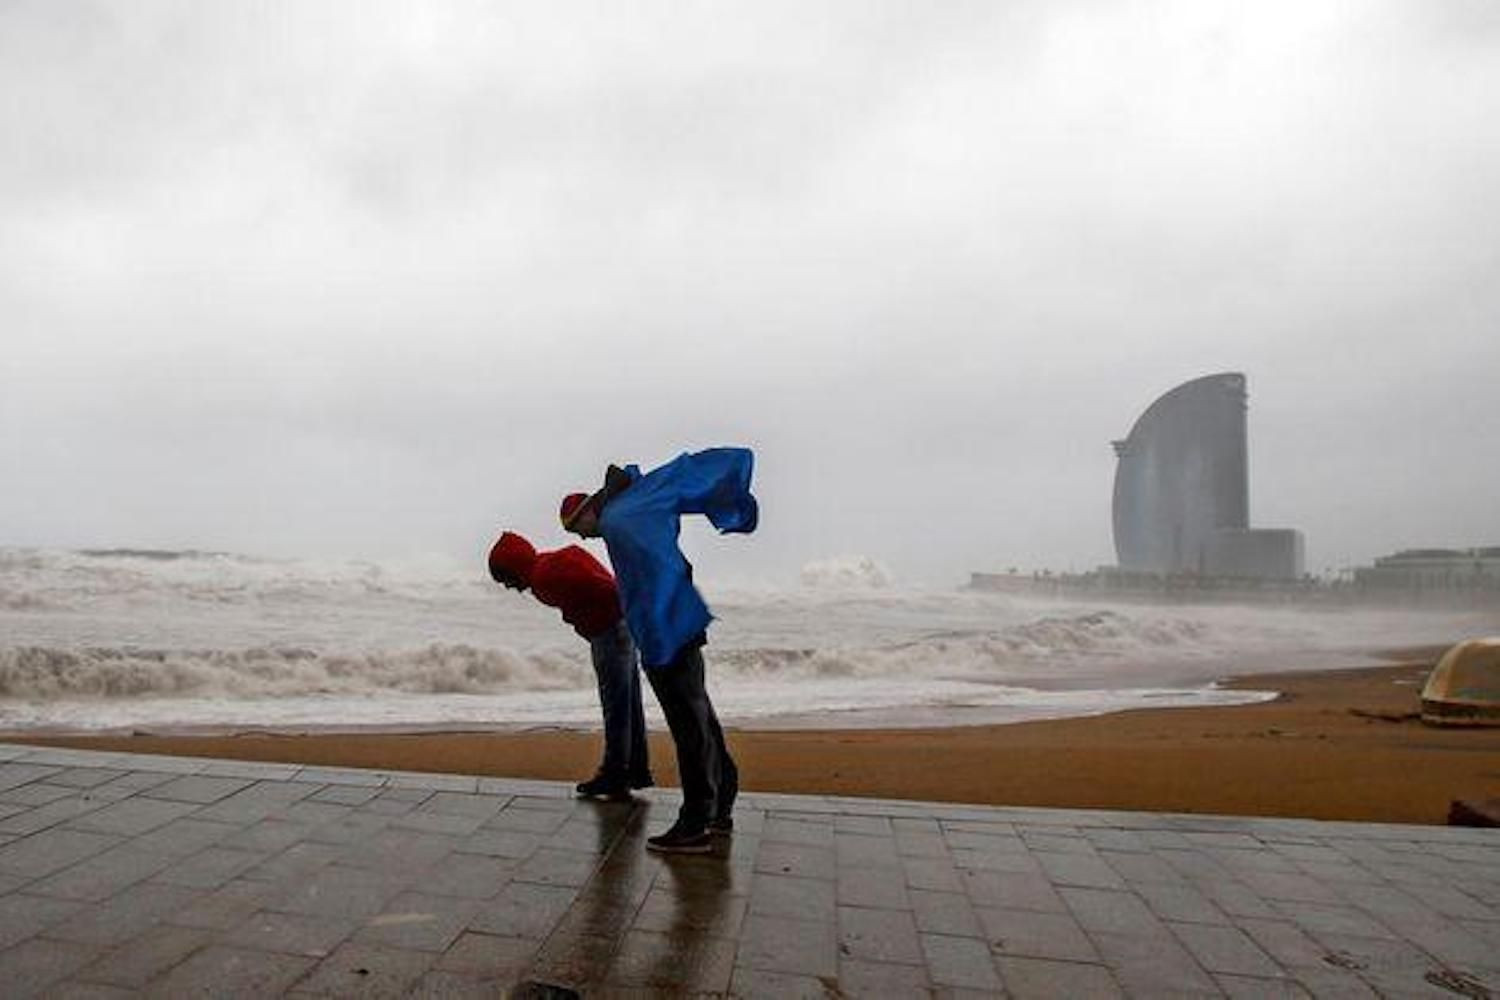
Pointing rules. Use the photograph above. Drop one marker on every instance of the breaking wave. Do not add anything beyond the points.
(42, 673)
(87, 579)
(983, 655)
(52, 673)
(846, 573)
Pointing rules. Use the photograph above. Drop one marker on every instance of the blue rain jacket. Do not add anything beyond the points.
(640, 528)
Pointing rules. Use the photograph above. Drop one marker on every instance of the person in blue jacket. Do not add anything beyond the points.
(638, 516)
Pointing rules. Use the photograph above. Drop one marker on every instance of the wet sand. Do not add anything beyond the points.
(1336, 745)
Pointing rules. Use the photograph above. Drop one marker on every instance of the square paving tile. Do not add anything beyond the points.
(936, 874)
(761, 984)
(124, 915)
(13, 775)
(524, 820)
(719, 915)
(145, 957)
(489, 957)
(879, 826)
(875, 888)
(129, 817)
(341, 776)
(437, 984)
(1110, 912)
(102, 875)
(465, 804)
(24, 916)
(961, 962)
(1154, 964)
(1317, 920)
(313, 815)
(677, 963)
(859, 850)
(230, 904)
(578, 961)
(1250, 988)
(291, 933)
(525, 910)
(945, 913)
(1036, 935)
(859, 978)
(360, 970)
(471, 876)
(1226, 949)
(1013, 890)
(197, 788)
(84, 777)
(23, 797)
(346, 795)
(52, 814)
(297, 863)
(419, 922)
(785, 858)
(183, 837)
(1044, 979)
(29, 968)
(781, 829)
(783, 944)
(1079, 870)
(788, 896)
(339, 893)
(888, 936)
(921, 845)
(130, 783)
(550, 866)
(210, 868)
(220, 970)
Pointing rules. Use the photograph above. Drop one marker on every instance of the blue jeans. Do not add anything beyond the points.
(625, 753)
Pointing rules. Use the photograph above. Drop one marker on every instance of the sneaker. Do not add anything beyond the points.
(721, 826)
(603, 787)
(681, 839)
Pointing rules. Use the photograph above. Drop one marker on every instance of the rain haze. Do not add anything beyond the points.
(377, 279)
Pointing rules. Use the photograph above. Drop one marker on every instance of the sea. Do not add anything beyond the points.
(188, 641)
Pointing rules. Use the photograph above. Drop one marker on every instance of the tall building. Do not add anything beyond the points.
(1182, 489)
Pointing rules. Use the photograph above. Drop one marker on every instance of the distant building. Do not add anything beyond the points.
(1433, 569)
(1182, 491)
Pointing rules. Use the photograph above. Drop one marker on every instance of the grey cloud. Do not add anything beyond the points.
(364, 277)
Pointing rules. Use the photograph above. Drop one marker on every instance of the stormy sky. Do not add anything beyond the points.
(367, 279)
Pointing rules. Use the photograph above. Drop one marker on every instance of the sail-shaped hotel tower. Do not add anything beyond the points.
(1182, 489)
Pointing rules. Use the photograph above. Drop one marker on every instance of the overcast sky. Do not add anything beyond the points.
(378, 279)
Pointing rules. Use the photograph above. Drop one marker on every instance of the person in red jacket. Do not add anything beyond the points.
(579, 586)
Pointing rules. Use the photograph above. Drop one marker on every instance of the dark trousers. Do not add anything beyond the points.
(710, 781)
(625, 755)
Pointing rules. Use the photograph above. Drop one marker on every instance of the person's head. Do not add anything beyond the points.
(511, 561)
(579, 514)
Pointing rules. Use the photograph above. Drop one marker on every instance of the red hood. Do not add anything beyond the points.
(513, 556)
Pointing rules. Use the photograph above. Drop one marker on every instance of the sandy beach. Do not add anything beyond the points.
(1341, 744)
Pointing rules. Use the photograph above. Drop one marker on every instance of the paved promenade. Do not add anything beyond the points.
(126, 875)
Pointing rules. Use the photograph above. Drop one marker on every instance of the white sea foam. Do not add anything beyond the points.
(846, 573)
(128, 638)
(42, 673)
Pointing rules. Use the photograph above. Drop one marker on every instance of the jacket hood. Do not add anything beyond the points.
(512, 556)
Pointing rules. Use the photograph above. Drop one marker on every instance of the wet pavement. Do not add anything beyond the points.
(124, 875)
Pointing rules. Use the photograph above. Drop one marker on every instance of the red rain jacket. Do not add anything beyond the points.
(568, 579)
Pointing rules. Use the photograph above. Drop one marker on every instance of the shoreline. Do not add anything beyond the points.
(1339, 744)
(887, 720)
